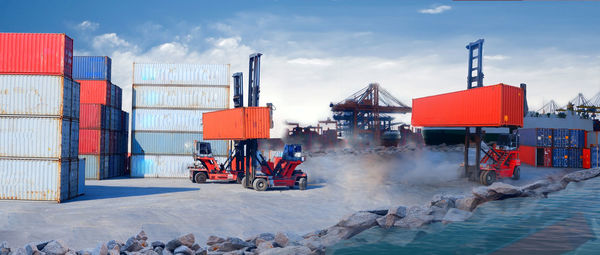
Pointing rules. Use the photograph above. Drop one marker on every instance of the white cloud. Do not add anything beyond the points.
(87, 25)
(311, 61)
(436, 10)
(495, 57)
(110, 40)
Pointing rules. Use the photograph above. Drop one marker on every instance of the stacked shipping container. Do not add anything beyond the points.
(39, 118)
(168, 103)
(554, 147)
(102, 133)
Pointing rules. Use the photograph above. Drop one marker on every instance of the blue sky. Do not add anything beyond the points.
(322, 51)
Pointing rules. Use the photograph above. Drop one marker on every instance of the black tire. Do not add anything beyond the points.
(489, 177)
(244, 182)
(260, 184)
(200, 177)
(302, 183)
(482, 176)
(516, 173)
(240, 179)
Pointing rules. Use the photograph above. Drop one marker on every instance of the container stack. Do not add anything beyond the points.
(39, 118)
(168, 102)
(559, 147)
(103, 133)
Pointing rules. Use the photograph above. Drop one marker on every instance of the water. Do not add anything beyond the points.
(567, 222)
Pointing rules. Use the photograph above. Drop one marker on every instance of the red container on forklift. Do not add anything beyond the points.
(30, 53)
(498, 105)
(237, 124)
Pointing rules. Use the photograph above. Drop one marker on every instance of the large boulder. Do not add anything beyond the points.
(289, 250)
(31, 249)
(416, 216)
(281, 239)
(256, 240)
(132, 245)
(454, 215)
(183, 250)
(231, 244)
(468, 203)
(158, 244)
(393, 215)
(114, 245)
(497, 191)
(212, 240)
(581, 175)
(187, 240)
(444, 201)
(56, 247)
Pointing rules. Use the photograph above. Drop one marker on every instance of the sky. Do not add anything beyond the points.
(318, 52)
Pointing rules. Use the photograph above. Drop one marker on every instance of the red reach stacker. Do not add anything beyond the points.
(244, 126)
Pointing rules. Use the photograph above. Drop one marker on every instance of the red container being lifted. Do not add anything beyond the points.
(94, 92)
(237, 124)
(29, 53)
(498, 105)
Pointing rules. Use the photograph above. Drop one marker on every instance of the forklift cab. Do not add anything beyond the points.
(202, 149)
(292, 152)
(508, 141)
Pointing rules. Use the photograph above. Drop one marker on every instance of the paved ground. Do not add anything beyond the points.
(165, 208)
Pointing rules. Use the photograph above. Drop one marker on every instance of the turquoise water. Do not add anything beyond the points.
(567, 222)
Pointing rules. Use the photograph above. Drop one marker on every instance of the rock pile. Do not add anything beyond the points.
(381, 150)
(442, 208)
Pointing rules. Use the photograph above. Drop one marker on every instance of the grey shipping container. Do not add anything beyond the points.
(34, 137)
(33, 179)
(94, 166)
(167, 120)
(164, 143)
(42, 95)
(180, 74)
(162, 165)
(178, 97)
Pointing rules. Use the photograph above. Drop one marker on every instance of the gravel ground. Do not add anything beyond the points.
(164, 208)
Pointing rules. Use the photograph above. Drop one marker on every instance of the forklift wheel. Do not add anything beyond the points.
(200, 177)
(302, 183)
(488, 178)
(243, 182)
(240, 179)
(516, 173)
(260, 184)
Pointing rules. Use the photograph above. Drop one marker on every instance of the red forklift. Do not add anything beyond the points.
(501, 160)
(245, 164)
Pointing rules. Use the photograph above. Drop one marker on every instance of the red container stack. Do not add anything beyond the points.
(103, 134)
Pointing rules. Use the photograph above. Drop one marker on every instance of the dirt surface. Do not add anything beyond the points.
(338, 185)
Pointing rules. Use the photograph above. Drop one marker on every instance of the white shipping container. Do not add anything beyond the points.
(167, 120)
(177, 97)
(36, 95)
(180, 74)
(34, 137)
(32, 179)
(162, 165)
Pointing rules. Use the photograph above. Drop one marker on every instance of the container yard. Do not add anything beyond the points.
(334, 128)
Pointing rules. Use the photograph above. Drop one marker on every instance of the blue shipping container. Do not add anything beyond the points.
(595, 155)
(561, 138)
(91, 68)
(164, 143)
(560, 157)
(536, 137)
(576, 138)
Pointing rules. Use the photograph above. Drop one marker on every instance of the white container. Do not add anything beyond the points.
(162, 166)
(36, 95)
(167, 120)
(34, 137)
(180, 74)
(33, 179)
(180, 97)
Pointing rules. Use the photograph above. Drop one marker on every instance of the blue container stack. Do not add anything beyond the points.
(595, 155)
(537, 137)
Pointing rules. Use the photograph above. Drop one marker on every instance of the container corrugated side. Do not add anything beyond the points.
(119, 98)
(36, 53)
(34, 137)
(162, 165)
(92, 141)
(174, 97)
(237, 124)
(528, 155)
(167, 120)
(164, 143)
(489, 106)
(180, 74)
(595, 156)
(560, 157)
(547, 157)
(92, 116)
(576, 138)
(74, 136)
(560, 138)
(35, 95)
(94, 92)
(540, 137)
(31, 179)
(92, 68)
(93, 166)
(81, 177)
(75, 100)
(593, 137)
(73, 181)
(113, 95)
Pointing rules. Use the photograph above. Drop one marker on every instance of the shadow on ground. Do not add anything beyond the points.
(94, 192)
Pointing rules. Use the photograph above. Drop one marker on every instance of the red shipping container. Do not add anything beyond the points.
(490, 106)
(91, 116)
(547, 158)
(90, 141)
(237, 124)
(30, 53)
(587, 158)
(528, 155)
(94, 92)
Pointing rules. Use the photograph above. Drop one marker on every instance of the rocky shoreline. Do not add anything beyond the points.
(442, 208)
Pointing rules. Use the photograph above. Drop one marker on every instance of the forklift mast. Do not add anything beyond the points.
(475, 64)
